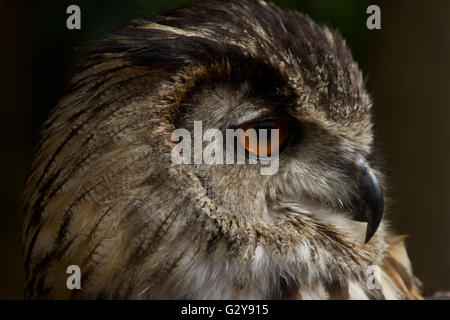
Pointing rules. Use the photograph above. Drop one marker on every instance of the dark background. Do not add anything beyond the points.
(406, 63)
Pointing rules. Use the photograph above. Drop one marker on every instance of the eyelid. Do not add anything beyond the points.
(249, 113)
(265, 119)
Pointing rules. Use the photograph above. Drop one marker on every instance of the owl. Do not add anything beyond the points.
(105, 194)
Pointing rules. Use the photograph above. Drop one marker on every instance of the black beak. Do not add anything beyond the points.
(370, 204)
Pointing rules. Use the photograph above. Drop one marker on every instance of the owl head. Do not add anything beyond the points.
(105, 194)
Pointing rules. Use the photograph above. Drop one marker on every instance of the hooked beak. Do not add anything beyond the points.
(369, 207)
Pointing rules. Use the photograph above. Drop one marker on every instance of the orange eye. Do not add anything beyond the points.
(265, 138)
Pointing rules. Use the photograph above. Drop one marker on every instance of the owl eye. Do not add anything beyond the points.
(258, 139)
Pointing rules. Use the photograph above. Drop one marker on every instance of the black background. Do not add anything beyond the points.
(407, 66)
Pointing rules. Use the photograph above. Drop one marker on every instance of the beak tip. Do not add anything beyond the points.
(369, 235)
(373, 222)
(374, 202)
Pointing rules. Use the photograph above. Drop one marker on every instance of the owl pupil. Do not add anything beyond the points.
(264, 125)
(268, 125)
